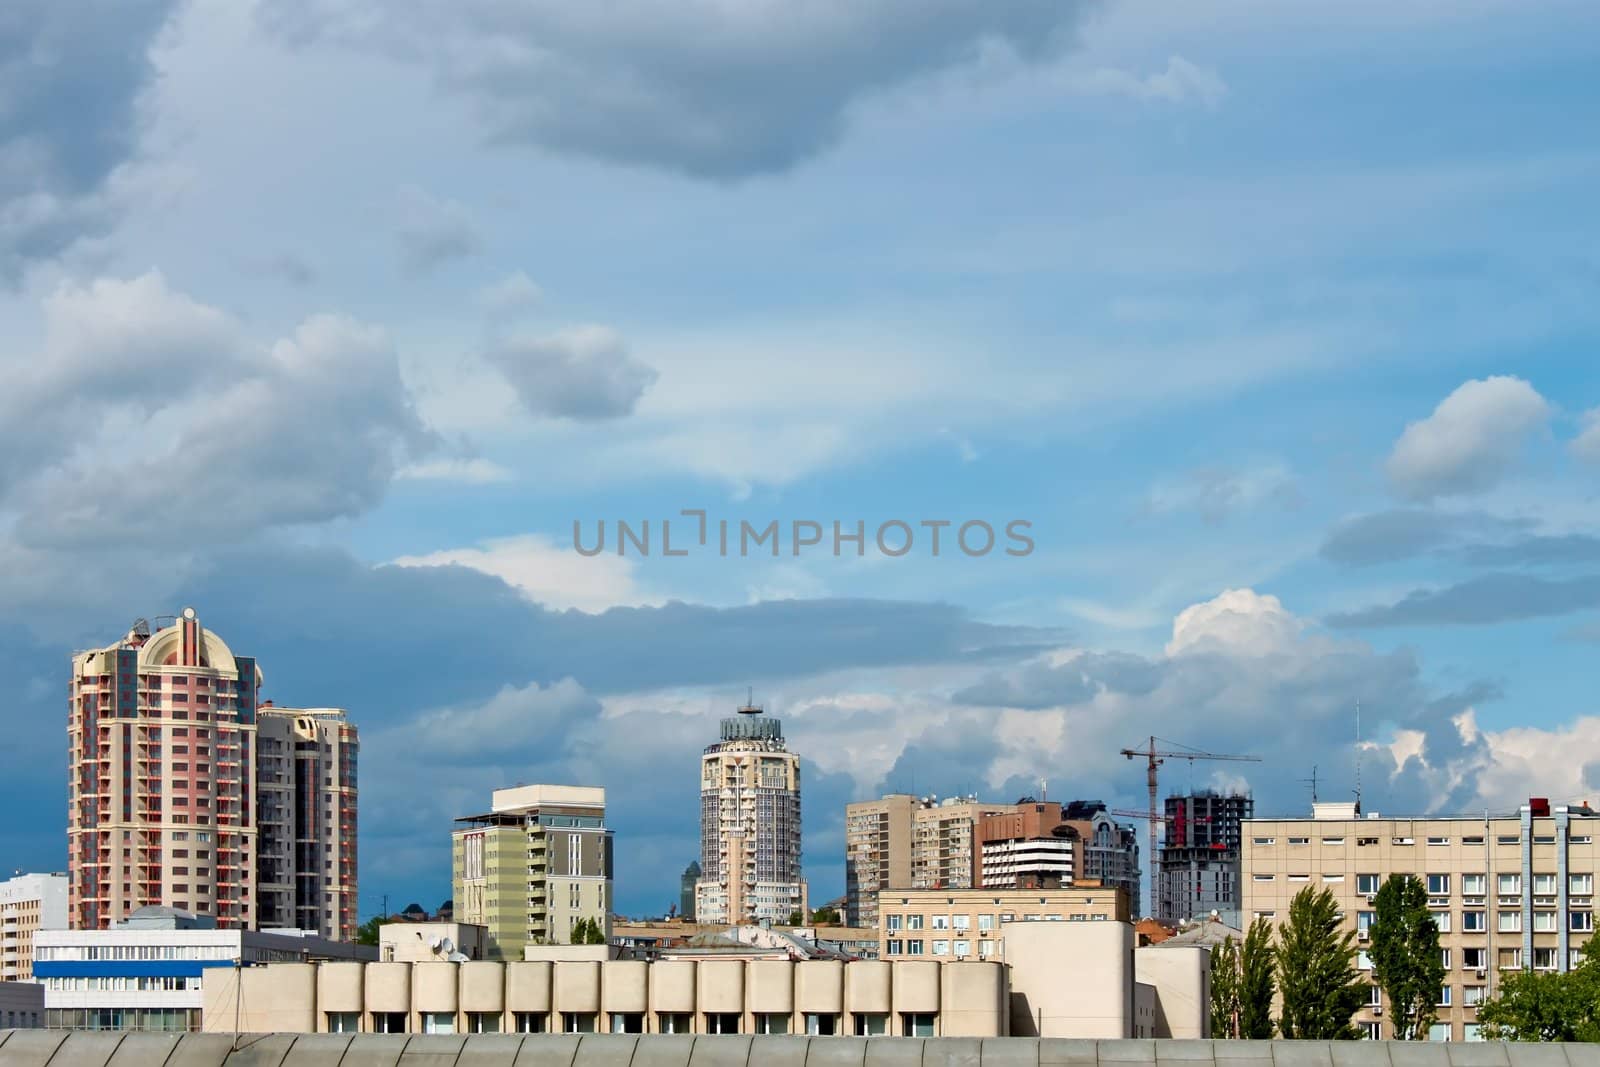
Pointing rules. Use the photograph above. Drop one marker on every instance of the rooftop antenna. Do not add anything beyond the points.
(1313, 783)
(1358, 757)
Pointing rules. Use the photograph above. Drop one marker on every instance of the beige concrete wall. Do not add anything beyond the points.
(529, 986)
(576, 987)
(819, 987)
(341, 987)
(974, 1000)
(867, 990)
(914, 987)
(1071, 979)
(483, 987)
(769, 987)
(388, 987)
(281, 998)
(1181, 982)
(625, 986)
(719, 986)
(672, 986)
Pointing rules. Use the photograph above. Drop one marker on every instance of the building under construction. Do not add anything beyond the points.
(1200, 856)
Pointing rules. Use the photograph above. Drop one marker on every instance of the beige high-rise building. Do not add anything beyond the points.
(877, 853)
(1509, 892)
(306, 815)
(961, 924)
(532, 866)
(28, 903)
(749, 824)
(944, 841)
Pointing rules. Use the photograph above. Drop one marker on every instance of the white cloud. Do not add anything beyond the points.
(432, 231)
(1471, 440)
(1218, 492)
(474, 471)
(555, 576)
(582, 373)
(1180, 81)
(1240, 621)
(514, 293)
(1586, 446)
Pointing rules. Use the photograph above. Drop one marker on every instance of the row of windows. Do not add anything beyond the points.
(1507, 921)
(122, 984)
(1473, 841)
(1472, 885)
(135, 952)
(942, 947)
(865, 1024)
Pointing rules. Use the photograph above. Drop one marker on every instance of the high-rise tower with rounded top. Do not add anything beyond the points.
(749, 824)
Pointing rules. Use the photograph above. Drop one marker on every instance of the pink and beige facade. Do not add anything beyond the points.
(163, 786)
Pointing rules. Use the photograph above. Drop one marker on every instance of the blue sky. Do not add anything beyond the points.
(1277, 322)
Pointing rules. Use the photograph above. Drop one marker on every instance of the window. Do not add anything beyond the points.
(1438, 840)
(388, 1022)
(1364, 923)
(1544, 922)
(1438, 885)
(1472, 995)
(1444, 997)
(822, 1024)
(438, 1022)
(1580, 922)
(941, 948)
(1262, 877)
(1263, 840)
(1509, 885)
(627, 1022)
(1299, 840)
(1398, 840)
(1474, 885)
(941, 922)
(1366, 884)
(673, 1022)
(1444, 958)
(871, 1024)
(986, 922)
(1544, 885)
(913, 922)
(1471, 1032)
(722, 1022)
(1580, 885)
(1474, 959)
(1333, 878)
(893, 946)
(893, 923)
(1474, 922)
(1441, 919)
(772, 1023)
(916, 1024)
(1510, 959)
(962, 948)
(1372, 1031)
(1363, 960)
(1510, 922)
(1507, 839)
(1299, 878)
(1439, 1032)
(1544, 959)
(483, 1022)
(960, 922)
(914, 947)
(1374, 996)
(577, 1022)
(343, 1022)
(1333, 842)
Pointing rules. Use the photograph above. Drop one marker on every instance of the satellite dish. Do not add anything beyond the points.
(141, 627)
(188, 613)
(437, 944)
(456, 957)
(446, 945)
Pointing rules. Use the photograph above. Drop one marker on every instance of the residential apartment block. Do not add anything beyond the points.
(749, 824)
(969, 923)
(1199, 869)
(306, 762)
(28, 903)
(533, 865)
(187, 791)
(1509, 892)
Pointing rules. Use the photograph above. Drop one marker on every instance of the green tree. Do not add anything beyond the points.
(1405, 955)
(367, 932)
(825, 917)
(588, 932)
(1225, 989)
(1321, 987)
(1256, 985)
(796, 918)
(1545, 1006)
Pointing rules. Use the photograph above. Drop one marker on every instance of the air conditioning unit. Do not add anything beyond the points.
(1372, 898)
(1362, 935)
(1482, 974)
(1377, 1009)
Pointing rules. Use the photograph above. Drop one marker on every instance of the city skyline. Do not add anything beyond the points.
(1274, 322)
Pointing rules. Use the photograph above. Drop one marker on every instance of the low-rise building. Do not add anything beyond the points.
(28, 903)
(415, 942)
(1066, 980)
(969, 923)
(21, 1005)
(145, 972)
(1509, 892)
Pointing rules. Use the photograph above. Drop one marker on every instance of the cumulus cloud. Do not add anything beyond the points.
(1471, 440)
(432, 231)
(1586, 446)
(546, 573)
(70, 78)
(141, 386)
(583, 373)
(1403, 533)
(1241, 621)
(474, 470)
(696, 86)
(514, 293)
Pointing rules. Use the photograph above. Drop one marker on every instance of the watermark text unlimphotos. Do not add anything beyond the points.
(693, 533)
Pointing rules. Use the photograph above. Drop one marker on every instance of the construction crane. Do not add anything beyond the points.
(1156, 757)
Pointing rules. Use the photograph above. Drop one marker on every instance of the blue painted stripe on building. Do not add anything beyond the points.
(124, 968)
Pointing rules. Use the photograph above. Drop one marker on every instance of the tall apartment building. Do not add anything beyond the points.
(306, 763)
(877, 853)
(944, 841)
(1510, 892)
(1030, 847)
(1199, 870)
(686, 883)
(533, 865)
(187, 791)
(970, 923)
(161, 777)
(749, 824)
(28, 903)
